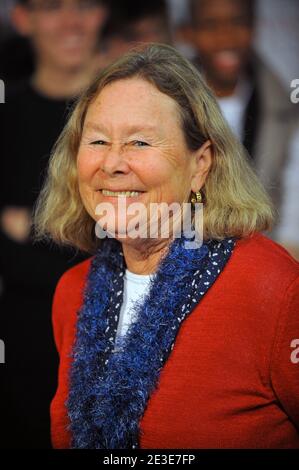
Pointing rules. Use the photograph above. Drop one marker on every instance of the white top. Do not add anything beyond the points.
(233, 108)
(136, 286)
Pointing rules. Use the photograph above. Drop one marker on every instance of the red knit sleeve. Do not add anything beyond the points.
(56, 316)
(285, 358)
(66, 303)
(67, 300)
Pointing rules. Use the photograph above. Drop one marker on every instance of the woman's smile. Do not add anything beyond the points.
(114, 196)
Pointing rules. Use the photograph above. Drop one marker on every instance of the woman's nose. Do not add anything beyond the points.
(114, 162)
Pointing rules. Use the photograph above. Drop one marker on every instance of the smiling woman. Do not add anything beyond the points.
(147, 163)
(163, 114)
(162, 346)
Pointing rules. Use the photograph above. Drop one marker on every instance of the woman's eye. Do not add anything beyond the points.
(98, 142)
(140, 143)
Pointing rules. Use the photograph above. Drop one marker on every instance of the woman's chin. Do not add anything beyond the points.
(123, 228)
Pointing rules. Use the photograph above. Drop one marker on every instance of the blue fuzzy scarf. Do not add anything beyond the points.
(110, 388)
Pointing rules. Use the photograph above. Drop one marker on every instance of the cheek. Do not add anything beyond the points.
(45, 26)
(153, 173)
(176, 182)
(92, 24)
(245, 38)
(203, 42)
(85, 172)
(165, 173)
(87, 165)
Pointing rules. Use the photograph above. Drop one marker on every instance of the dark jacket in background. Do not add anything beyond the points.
(30, 124)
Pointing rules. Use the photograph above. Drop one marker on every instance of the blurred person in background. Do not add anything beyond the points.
(251, 97)
(15, 54)
(131, 22)
(5, 24)
(64, 35)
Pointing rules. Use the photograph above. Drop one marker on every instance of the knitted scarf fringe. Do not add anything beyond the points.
(106, 405)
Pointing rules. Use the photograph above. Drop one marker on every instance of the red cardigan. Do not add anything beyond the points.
(232, 379)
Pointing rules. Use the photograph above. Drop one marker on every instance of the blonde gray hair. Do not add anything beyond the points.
(236, 204)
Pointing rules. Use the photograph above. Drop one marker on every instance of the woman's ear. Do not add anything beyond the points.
(203, 158)
(21, 20)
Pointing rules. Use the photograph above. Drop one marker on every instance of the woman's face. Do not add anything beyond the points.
(133, 142)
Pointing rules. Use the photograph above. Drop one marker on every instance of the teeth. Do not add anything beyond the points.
(105, 192)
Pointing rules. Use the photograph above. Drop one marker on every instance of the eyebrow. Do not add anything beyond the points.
(131, 129)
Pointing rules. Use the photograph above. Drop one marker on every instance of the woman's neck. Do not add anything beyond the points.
(143, 259)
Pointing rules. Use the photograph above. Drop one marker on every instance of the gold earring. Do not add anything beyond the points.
(196, 197)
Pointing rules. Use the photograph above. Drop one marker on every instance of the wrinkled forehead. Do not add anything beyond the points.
(133, 102)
